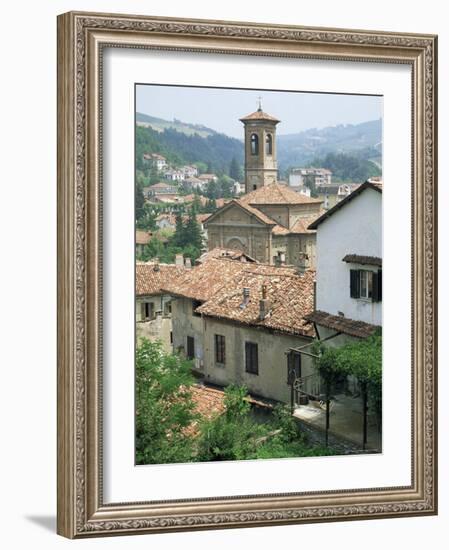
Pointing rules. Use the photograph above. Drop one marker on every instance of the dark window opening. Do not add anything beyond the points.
(148, 310)
(190, 347)
(196, 304)
(254, 144)
(251, 358)
(220, 349)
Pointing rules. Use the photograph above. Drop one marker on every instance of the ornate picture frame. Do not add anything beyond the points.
(82, 38)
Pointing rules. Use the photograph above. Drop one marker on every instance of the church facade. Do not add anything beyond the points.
(270, 222)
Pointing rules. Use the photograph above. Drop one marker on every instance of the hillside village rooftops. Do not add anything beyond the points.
(161, 185)
(151, 276)
(288, 298)
(219, 283)
(275, 193)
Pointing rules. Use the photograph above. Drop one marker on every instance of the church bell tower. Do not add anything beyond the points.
(260, 149)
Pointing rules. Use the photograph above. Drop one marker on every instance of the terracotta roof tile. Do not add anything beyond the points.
(289, 298)
(301, 226)
(228, 253)
(275, 193)
(142, 237)
(208, 403)
(259, 115)
(204, 280)
(358, 329)
(152, 276)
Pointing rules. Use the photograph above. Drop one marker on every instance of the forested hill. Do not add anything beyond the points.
(361, 140)
(215, 150)
(352, 151)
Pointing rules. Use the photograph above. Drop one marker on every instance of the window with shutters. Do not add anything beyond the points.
(366, 284)
(220, 351)
(251, 358)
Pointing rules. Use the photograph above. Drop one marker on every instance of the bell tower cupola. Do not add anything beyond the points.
(260, 149)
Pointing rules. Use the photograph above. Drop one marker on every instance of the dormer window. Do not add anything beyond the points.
(254, 144)
(268, 144)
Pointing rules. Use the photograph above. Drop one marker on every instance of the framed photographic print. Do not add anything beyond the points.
(247, 274)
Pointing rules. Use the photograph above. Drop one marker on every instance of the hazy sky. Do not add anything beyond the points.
(220, 109)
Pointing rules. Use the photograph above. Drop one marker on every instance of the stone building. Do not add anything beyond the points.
(236, 319)
(153, 308)
(270, 222)
(260, 149)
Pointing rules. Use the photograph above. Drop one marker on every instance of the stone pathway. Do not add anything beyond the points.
(345, 422)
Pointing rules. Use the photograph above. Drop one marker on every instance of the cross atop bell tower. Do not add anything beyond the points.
(260, 149)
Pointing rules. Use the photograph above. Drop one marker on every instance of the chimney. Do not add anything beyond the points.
(264, 304)
(156, 264)
(282, 258)
(188, 263)
(245, 298)
(179, 260)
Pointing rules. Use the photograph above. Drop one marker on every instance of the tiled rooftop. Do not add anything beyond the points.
(289, 297)
(276, 193)
(259, 115)
(363, 260)
(142, 237)
(151, 276)
(358, 329)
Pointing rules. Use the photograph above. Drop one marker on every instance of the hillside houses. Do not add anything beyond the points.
(153, 309)
(158, 161)
(320, 176)
(236, 318)
(142, 239)
(282, 269)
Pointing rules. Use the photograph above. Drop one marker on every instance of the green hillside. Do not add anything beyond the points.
(159, 125)
(353, 151)
(215, 151)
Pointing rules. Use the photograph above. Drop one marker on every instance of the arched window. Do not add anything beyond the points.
(269, 144)
(254, 144)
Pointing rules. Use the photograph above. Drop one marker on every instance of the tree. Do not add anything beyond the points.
(236, 435)
(193, 236)
(164, 406)
(309, 181)
(235, 170)
(179, 237)
(147, 218)
(361, 359)
(140, 202)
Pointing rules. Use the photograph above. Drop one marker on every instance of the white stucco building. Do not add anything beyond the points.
(349, 263)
